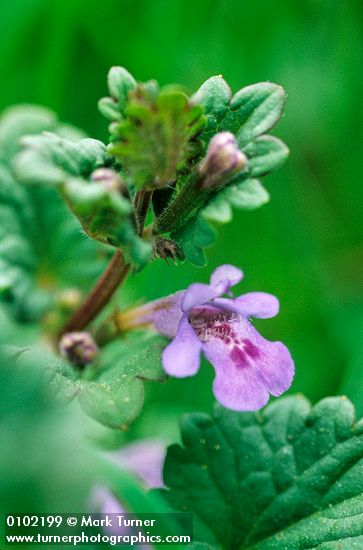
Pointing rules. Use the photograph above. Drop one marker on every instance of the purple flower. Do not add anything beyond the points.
(248, 367)
(143, 458)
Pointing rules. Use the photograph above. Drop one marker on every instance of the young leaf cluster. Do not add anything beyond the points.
(158, 139)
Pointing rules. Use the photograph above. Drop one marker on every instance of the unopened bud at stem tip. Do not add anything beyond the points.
(223, 160)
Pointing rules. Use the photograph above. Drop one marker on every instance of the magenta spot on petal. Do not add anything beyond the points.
(251, 350)
(238, 357)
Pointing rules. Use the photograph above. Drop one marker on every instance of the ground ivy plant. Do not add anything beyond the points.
(80, 216)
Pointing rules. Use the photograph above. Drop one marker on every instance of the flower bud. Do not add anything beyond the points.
(108, 179)
(78, 347)
(223, 160)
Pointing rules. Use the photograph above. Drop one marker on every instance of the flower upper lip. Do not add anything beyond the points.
(222, 279)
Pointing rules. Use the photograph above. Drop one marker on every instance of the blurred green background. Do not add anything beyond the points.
(306, 246)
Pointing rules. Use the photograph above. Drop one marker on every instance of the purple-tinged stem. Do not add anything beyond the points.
(100, 295)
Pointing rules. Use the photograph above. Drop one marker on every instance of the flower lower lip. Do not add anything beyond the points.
(210, 323)
(239, 358)
(244, 355)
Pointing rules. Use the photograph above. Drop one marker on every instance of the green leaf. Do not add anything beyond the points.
(36, 228)
(114, 405)
(290, 476)
(218, 209)
(214, 95)
(251, 112)
(266, 153)
(120, 84)
(193, 237)
(50, 159)
(19, 121)
(63, 380)
(254, 110)
(247, 194)
(115, 398)
(111, 391)
(157, 137)
(105, 214)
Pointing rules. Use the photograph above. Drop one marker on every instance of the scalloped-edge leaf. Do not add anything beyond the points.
(115, 397)
(290, 476)
(48, 158)
(105, 214)
(254, 110)
(251, 112)
(266, 153)
(248, 194)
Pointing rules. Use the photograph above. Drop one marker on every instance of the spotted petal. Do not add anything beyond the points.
(253, 304)
(247, 366)
(182, 356)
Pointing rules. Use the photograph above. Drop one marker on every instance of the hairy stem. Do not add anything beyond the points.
(142, 204)
(190, 198)
(100, 295)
